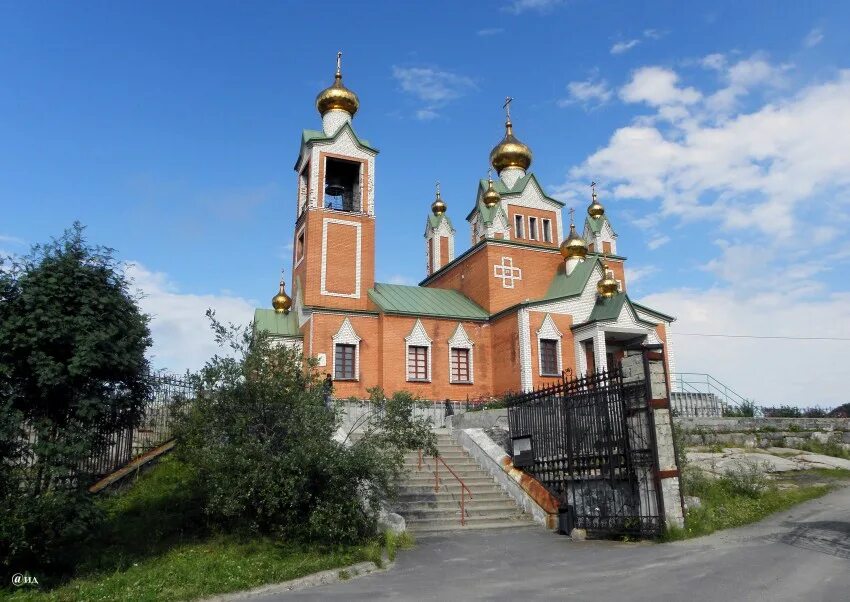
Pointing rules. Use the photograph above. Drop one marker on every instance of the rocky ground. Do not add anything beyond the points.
(773, 460)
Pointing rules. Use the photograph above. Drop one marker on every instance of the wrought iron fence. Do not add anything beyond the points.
(592, 443)
(154, 427)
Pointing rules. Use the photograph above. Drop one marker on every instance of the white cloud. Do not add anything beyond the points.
(589, 92)
(490, 31)
(433, 87)
(749, 171)
(401, 279)
(654, 34)
(741, 77)
(813, 38)
(658, 241)
(182, 338)
(542, 6)
(657, 86)
(638, 273)
(622, 47)
(772, 371)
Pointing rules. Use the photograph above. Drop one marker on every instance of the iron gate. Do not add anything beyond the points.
(592, 443)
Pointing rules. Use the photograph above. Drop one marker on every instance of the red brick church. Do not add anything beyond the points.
(524, 304)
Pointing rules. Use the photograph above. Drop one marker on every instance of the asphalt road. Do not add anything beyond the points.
(802, 554)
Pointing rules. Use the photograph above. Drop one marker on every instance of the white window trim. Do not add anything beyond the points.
(519, 235)
(533, 235)
(549, 331)
(547, 225)
(460, 340)
(417, 338)
(346, 335)
(304, 250)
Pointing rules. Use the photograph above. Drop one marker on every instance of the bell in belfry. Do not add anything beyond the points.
(334, 186)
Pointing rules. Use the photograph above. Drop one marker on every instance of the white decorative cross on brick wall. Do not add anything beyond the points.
(507, 272)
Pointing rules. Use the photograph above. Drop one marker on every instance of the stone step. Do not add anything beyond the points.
(428, 479)
(472, 523)
(428, 496)
(462, 470)
(452, 514)
(476, 504)
(426, 492)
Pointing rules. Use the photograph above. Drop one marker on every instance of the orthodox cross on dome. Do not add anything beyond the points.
(438, 187)
(339, 63)
(572, 216)
(507, 272)
(593, 189)
(507, 108)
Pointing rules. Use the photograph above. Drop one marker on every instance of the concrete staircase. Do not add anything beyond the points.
(427, 511)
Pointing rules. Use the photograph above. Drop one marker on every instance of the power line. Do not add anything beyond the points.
(754, 336)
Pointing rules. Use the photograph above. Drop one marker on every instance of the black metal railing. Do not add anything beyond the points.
(154, 427)
(593, 448)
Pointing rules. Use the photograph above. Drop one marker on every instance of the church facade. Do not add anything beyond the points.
(529, 301)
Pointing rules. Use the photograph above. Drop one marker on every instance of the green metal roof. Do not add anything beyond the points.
(569, 286)
(654, 312)
(283, 325)
(421, 301)
(596, 223)
(500, 187)
(435, 220)
(320, 136)
(607, 309)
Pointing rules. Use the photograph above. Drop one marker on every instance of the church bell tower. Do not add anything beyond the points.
(334, 245)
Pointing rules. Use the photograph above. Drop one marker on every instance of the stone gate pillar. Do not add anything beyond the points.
(648, 365)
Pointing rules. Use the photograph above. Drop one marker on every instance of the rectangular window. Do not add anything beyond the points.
(518, 229)
(547, 230)
(344, 362)
(549, 357)
(460, 366)
(417, 363)
(532, 228)
(299, 248)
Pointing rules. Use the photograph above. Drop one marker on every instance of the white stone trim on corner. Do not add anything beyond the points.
(417, 338)
(524, 329)
(548, 330)
(460, 340)
(346, 335)
(357, 259)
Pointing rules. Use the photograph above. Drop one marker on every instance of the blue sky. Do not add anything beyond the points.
(719, 134)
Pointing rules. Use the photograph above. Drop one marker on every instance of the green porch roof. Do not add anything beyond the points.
(569, 286)
(281, 325)
(607, 309)
(422, 301)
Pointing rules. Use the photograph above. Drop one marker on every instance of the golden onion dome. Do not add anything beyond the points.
(438, 207)
(337, 96)
(491, 196)
(281, 302)
(595, 209)
(607, 287)
(510, 152)
(574, 246)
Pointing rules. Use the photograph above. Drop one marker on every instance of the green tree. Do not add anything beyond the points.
(268, 453)
(72, 372)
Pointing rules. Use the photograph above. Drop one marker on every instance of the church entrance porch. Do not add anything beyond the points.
(603, 347)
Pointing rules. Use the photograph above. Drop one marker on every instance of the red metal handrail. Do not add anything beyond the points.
(463, 488)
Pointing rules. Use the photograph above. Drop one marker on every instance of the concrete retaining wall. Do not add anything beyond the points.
(528, 494)
(481, 419)
(763, 432)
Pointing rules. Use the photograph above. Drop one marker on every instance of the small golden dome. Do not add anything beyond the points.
(438, 207)
(281, 301)
(595, 209)
(510, 152)
(574, 245)
(607, 287)
(491, 197)
(337, 96)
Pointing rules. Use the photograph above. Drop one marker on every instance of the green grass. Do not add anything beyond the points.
(832, 448)
(154, 547)
(745, 497)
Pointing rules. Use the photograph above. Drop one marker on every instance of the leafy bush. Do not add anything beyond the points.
(72, 372)
(262, 443)
(747, 409)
